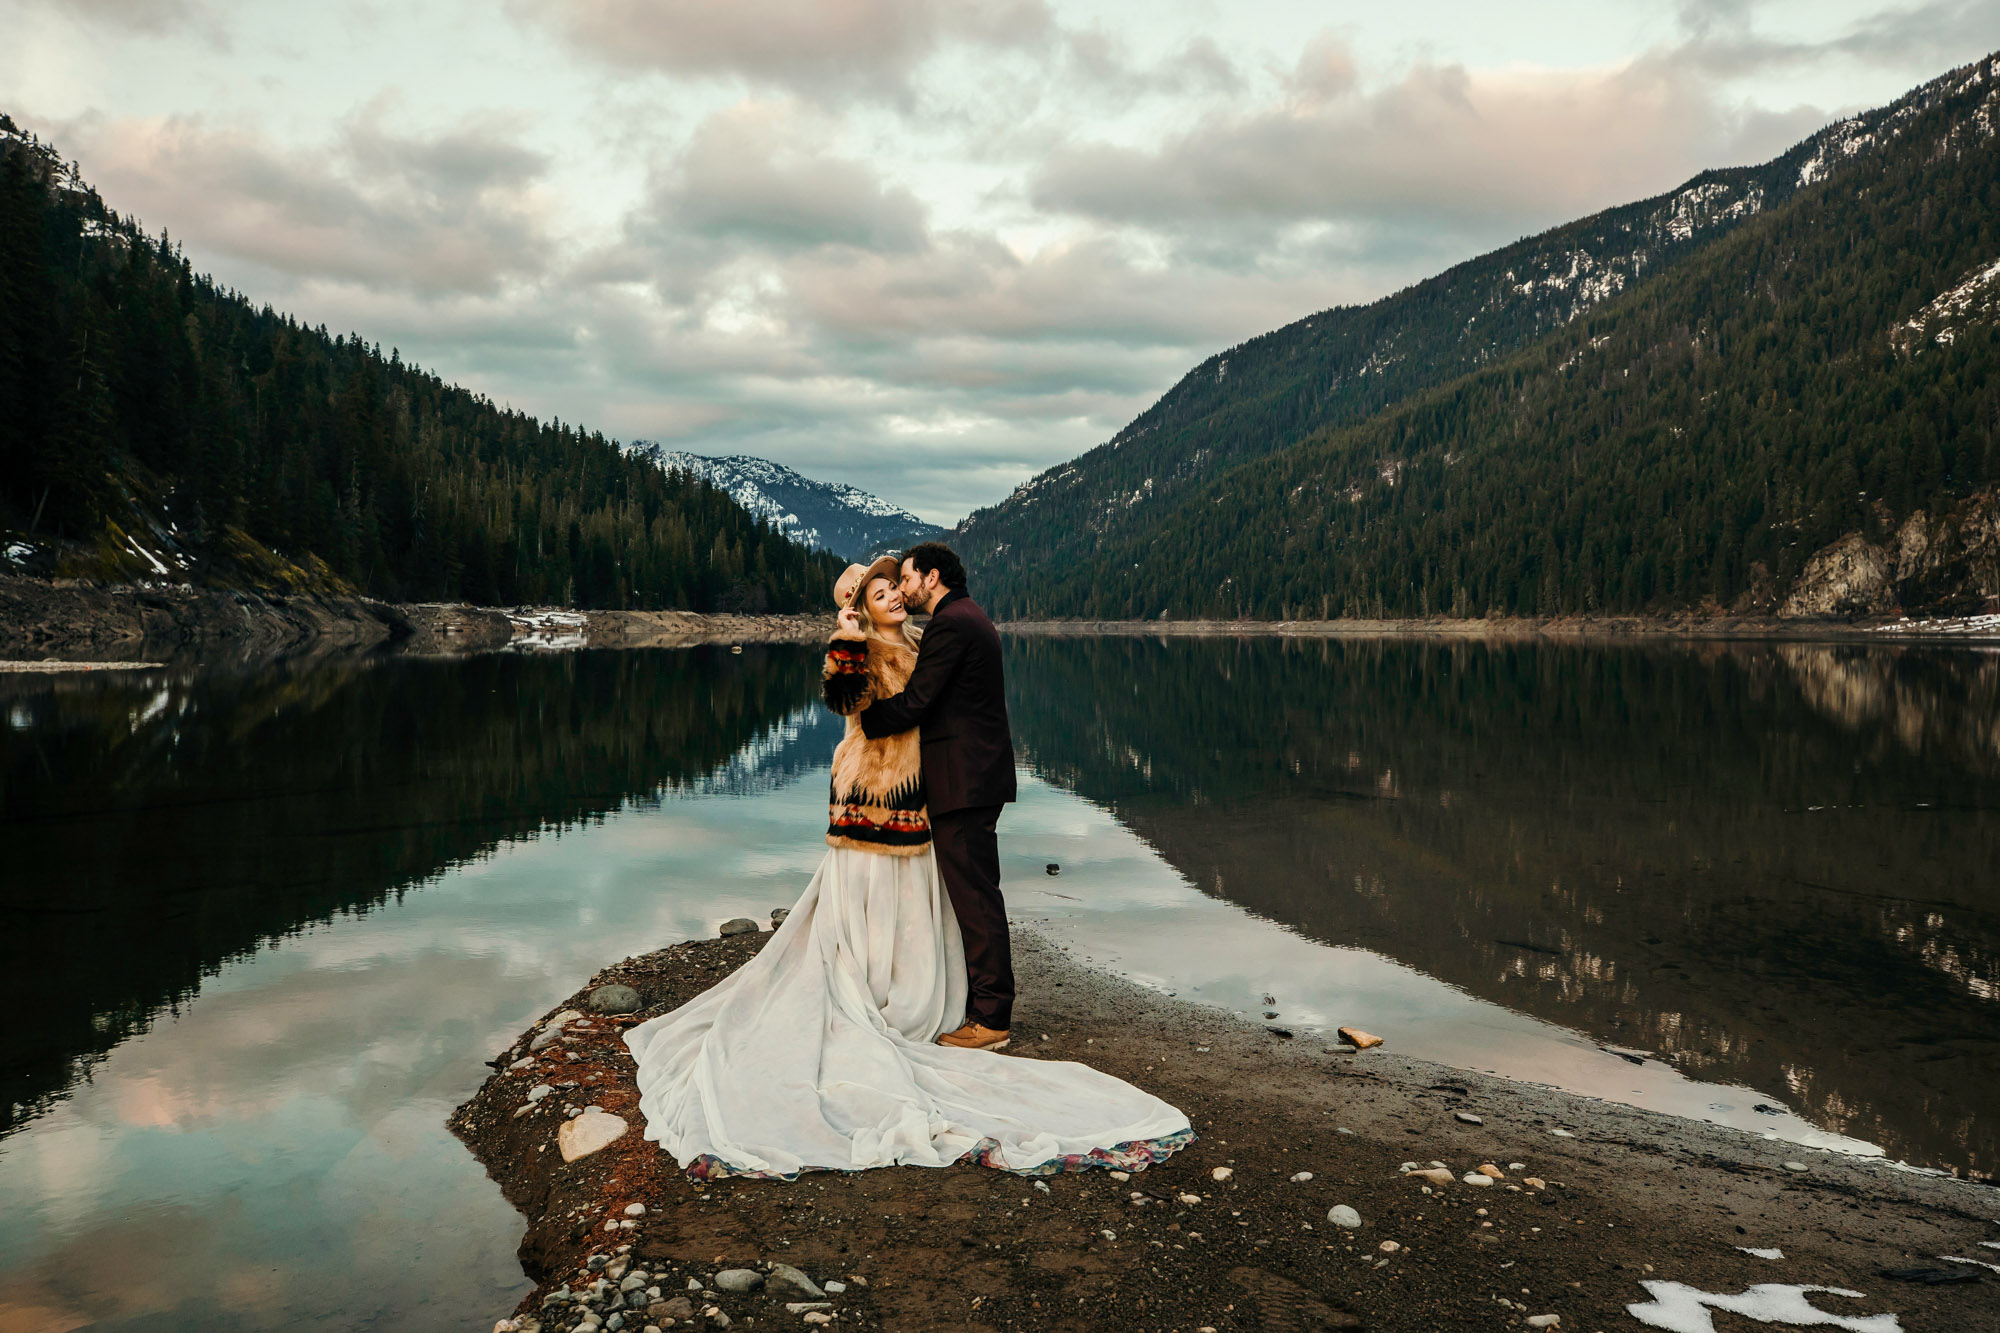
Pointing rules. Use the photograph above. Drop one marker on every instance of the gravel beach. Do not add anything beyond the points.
(1251, 1227)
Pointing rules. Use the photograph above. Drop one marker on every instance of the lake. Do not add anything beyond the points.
(262, 928)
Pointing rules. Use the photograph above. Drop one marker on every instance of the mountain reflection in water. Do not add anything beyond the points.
(159, 825)
(1771, 865)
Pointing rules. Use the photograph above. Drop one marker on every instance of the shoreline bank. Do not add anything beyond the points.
(1593, 1200)
(46, 621)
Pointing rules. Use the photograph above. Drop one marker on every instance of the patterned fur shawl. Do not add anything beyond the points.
(876, 800)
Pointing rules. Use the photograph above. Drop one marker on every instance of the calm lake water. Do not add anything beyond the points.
(258, 931)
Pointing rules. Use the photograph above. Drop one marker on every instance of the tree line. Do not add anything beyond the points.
(143, 404)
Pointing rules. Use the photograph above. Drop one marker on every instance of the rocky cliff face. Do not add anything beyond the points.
(1935, 565)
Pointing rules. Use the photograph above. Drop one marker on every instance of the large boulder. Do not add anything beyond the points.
(1852, 577)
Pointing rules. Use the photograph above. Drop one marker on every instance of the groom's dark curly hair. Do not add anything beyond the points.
(926, 556)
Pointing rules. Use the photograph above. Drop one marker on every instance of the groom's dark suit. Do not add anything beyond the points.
(956, 697)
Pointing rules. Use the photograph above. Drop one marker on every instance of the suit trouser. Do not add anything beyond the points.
(968, 853)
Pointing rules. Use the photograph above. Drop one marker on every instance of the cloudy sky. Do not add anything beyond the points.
(925, 246)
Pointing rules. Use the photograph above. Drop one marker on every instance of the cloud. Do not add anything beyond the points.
(1443, 146)
(146, 16)
(753, 175)
(817, 46)
(451, 213)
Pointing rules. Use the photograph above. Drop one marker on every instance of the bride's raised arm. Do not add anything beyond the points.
(843, 678)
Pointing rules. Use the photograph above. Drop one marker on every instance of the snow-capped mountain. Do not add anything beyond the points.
(823, 514)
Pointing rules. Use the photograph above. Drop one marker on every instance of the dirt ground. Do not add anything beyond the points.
(1594, 1199)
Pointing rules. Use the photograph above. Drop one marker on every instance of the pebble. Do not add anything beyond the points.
(1342, 1129)
(523, 1062)
(563, 1018)
(1343, 1216)
(1795, 1166)
(1190, 1199)
(1119, 1176)
(614, 999)
(1436, 1176)
(694, 1284)
(1302, 1177)
(778, 915)
(739, 1279)
(1108, 1234)
(546, 1037)
(1517, 1166)
(1544, 1320)
(1535, 1183)
(631, 1209)
(1488, 1169)
(539, 1091)
(1043, 1185)
(801, 1307)
(588, 1133)
(818, 1317)
(834, 1288)
(1474, 1178)
(1221, 1173)
(738, 925)
(1388, 1247)
(1359, 1040)
(1467, 1118)
(785, 1278)
(1562, 1133)
(632, 1282)
(523, 1110)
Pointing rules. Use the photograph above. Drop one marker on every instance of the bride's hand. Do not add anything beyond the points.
(850, 619)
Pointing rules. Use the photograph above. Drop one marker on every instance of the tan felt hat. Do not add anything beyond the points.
(885, 567)
(844, 586)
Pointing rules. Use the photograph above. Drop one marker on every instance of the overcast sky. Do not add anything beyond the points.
(928, 247)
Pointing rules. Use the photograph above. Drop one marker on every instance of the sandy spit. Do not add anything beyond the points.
(1627, 1197)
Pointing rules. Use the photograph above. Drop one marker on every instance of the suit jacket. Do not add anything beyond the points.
(956, 698)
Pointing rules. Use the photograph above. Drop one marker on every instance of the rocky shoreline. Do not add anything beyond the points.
(75, 620)
(44, 620)
(1328, 1189)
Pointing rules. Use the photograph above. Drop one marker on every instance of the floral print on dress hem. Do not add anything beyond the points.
(1134, 1156)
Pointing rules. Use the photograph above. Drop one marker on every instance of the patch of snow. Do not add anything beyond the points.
(547, 631)
(1684, 1309)
(1761, 1253)
(19, 551)
(1975, 296)
(1976, 1263)
(1980, 625)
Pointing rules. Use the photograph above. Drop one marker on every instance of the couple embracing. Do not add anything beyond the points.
(869, 1031)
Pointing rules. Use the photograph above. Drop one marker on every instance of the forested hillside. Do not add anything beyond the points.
(155, 425)
(1691, 438)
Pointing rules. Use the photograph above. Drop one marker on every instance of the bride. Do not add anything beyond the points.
(820, 1052)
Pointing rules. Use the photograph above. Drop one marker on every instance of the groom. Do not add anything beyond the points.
(955, 696)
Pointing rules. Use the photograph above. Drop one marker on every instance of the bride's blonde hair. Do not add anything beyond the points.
(884, 567)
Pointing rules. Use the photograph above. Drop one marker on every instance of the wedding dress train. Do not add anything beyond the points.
(820, 1054)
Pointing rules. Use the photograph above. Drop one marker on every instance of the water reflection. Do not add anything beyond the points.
(156, 828)
(1772, 866)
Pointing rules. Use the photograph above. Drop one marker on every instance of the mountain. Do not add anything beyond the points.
(1542, 312)
(155, 426)
(824, 515)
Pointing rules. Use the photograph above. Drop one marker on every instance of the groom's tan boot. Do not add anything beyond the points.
(974, 1037)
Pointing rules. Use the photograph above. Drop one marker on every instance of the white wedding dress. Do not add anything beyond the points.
(820, 1053)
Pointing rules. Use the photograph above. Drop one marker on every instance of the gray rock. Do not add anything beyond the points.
(613, 999)
(632, 1282)
(614, 1323)
(741, 925)
(1343, 1216)
(786, 1280)
(546, 1037)
(739, 1279)
(778, 915)
(800, 1307)
(1467, 1118)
